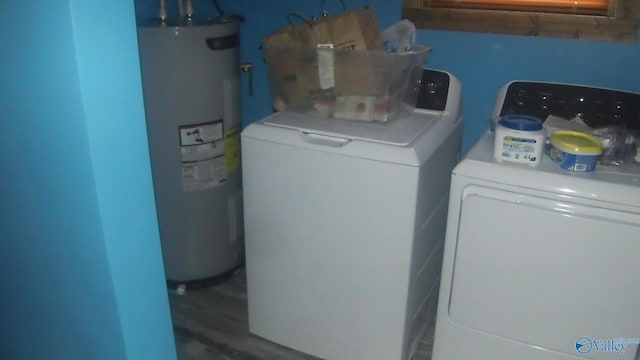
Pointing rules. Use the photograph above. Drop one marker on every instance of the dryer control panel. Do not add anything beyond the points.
(595, 106)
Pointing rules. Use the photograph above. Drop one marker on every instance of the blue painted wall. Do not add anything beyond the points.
(482, 62)
(80, 259)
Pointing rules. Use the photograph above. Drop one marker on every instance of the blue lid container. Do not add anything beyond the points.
(521, 122)
(520, 139)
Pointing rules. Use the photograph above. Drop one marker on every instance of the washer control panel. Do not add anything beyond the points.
(433, 91)
(595, 106)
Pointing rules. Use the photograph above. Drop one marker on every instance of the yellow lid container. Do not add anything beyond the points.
(575, 142)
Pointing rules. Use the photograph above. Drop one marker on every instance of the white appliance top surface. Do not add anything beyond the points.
(409, 140)
(606, 183)
(401, 131)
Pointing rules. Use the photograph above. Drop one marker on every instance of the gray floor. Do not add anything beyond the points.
(212, 324)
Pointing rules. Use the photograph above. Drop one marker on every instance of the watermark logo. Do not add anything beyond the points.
(585, 345)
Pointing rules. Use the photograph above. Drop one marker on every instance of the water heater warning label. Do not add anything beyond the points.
(232, 149)
(202, 155)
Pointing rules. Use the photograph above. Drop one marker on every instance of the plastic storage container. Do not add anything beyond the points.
(575, 151)
(520, 139)
(346, 84)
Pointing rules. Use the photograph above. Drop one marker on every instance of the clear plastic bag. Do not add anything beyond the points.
(621, 146)
(399, 37)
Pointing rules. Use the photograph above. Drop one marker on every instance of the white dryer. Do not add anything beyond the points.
(344, 225)
(541, 263)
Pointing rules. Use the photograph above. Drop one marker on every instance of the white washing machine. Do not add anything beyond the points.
(344, 226)
(543, 263)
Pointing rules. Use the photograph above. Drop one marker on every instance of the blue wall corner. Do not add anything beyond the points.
(78, 237)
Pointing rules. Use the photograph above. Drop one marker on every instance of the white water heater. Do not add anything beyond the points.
(191, 84)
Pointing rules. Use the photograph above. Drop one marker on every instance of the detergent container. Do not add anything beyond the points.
(575, 151)
(520, 139)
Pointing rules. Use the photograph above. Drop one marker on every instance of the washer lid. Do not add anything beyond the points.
(401, 131)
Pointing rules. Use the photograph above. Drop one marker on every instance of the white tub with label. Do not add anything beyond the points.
(520, 139)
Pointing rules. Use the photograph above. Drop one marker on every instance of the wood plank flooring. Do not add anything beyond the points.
(212, 324)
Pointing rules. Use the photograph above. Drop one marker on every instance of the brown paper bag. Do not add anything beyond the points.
(302, 73)
(355, 29)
